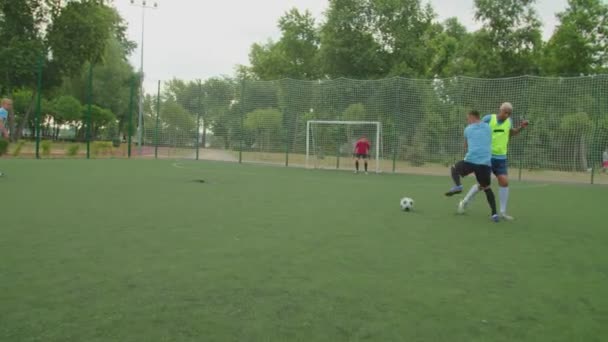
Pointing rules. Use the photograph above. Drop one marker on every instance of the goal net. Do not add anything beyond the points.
(330, 144)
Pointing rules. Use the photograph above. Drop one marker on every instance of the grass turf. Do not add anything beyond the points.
(118, 250)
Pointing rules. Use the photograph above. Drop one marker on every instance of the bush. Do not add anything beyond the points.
(101, 148)
(17, 150)
(116, 142)
(46, 148)
(3, 146)
(73, 150)
(416, 155)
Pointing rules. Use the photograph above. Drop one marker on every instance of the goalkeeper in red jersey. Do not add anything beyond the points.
(362, 147)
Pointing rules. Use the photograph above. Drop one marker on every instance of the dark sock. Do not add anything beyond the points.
(357, 165)
(491, 200)
(456, 176)
(365, 166)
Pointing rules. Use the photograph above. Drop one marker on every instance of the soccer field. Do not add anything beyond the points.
(136, 250)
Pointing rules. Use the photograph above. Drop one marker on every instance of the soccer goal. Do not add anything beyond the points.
(330, 144)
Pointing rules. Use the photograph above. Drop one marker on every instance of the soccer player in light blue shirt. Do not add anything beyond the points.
(478, 160)
(5, 107)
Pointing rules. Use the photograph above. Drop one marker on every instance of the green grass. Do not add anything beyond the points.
(119, 250)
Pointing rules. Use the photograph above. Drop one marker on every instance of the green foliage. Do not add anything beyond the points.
(17, 150)
(354, 112)
(416, 154)
(100, 118)
(101, 148)
(67, 109)
(294, 55)
(79, 34)
(116, 142)
(46, 146)
(509, 41)
(22, 46)
(72, 150)
(578, 45)
(265, 124)
(178, 125)
(350, 50)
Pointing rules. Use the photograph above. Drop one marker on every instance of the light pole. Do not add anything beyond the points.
(140, 120)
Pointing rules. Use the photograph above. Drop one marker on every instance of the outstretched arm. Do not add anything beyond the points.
(516, 131)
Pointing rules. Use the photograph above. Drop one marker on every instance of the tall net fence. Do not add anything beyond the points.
(422, 122)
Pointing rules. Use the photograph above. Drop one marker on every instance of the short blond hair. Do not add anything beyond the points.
(507, 106)
(6, 100)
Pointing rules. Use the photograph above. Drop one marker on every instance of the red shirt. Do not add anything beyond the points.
(362, 146)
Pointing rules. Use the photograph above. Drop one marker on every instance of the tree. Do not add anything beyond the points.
(177, 124)
(21, 22)
(80, 33)
(112, 81)
(294, 55)
(61, 37)
(574, 130)
(509, 42)
(403, 29)
(579, 45)
(219, 94)
(101, 118)
(354, 112)
(348, 46)
(449, 51)
(265, 124)
(67, 110)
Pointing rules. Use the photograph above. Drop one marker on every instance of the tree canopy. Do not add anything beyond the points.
(369, 39)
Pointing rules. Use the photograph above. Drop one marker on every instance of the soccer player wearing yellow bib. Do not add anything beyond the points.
(502, 131)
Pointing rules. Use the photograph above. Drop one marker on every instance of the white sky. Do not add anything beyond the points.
(191, 39)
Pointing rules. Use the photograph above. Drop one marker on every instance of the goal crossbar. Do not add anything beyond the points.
(339, 122)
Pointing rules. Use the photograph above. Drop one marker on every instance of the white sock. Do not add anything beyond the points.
(503, 193)
(474, 190)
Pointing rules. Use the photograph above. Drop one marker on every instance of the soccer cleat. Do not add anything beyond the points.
(495, 218)
(454, 190)
(462, 206)
(506, 217)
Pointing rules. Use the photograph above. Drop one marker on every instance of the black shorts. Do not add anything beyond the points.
(361, 156)
(483, 173)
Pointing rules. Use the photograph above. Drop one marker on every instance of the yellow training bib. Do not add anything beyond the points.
(501, 133)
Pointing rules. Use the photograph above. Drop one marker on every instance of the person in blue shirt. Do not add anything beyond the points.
(478, 160)
(5, 107)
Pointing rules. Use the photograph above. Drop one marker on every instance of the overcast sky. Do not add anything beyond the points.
(192, 39)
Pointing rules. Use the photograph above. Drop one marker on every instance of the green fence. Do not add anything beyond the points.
(422, 123)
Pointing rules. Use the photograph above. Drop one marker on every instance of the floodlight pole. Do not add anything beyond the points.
(140, 129)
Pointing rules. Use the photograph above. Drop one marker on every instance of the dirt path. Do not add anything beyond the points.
(220, 155)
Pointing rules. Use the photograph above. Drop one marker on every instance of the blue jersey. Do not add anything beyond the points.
(487, 120)
(3, 115)
(479, 143)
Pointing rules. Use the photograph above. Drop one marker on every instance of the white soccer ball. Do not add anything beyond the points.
(407, 204)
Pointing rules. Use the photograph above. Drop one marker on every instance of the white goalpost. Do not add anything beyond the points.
(334, 139)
